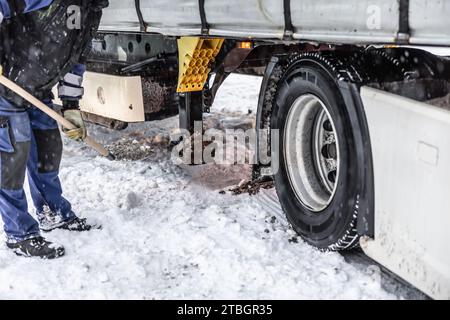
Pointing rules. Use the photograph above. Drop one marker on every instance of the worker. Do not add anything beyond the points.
(41, 45)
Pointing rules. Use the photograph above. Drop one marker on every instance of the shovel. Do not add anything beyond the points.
(52, 114)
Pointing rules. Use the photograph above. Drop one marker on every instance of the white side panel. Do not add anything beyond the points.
(255, 18)
(339, 21)
(423, 18)
(121, 15)
(411, 148)
(174, 17)
(369, 21)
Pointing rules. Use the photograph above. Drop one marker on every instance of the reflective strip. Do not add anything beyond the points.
(71, 92)
(73, 79)
(1, 17)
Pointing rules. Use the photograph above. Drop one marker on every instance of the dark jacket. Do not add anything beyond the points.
(40, 46)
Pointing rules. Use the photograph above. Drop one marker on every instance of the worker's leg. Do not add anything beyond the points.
(15, 136)
(43, 166)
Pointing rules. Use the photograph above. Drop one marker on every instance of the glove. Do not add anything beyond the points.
(75, 117)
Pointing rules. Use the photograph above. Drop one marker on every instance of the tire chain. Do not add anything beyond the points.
(343, 68)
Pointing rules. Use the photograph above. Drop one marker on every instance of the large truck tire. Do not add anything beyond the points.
(316, 180)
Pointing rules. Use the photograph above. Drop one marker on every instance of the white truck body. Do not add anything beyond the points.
(337, 21)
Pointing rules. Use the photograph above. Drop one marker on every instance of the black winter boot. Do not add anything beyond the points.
(49, 221)
(36, 247)
(79, 225)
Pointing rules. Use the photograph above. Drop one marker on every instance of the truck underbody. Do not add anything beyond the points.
(361, 154)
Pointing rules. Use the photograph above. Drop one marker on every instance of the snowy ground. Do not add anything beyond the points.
(168, 233)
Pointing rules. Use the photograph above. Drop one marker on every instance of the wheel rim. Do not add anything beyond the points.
(312, 152)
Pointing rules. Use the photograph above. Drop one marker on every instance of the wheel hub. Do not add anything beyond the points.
(312, 152)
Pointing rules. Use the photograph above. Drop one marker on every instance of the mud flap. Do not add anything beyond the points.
(112, 97)
(412, 220)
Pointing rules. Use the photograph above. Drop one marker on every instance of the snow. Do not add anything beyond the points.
(168, 233)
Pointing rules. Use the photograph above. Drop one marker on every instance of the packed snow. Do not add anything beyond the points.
(169, 233)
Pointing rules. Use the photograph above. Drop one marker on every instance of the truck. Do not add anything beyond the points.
(357, 91)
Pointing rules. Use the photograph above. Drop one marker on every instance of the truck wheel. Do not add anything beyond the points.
(316, 180)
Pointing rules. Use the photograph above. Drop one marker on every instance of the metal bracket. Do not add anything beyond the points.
(288, 26)
(264, 170)
(205, 25)
(404, 28)
(209, 93)
(142, 22)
